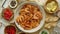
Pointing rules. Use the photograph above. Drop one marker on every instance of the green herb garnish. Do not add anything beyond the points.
(44, 32)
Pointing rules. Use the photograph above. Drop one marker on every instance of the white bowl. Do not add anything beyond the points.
(44, 30)
(15, 4)
(34, 29)
(4, 21)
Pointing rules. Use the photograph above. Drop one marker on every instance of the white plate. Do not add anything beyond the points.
(41, 23)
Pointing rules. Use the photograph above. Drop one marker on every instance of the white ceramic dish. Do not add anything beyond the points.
(5, 21)
(34, 29)
(15, 4)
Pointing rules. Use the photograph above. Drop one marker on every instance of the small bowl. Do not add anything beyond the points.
(9, 26)
(15, 4)
(44, 30)
(48, 1)
(41, 22)
(7, 21)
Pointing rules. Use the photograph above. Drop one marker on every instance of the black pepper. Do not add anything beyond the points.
(13, 3)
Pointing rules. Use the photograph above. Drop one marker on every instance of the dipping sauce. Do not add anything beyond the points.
(51, 6)
(7, 14)
(10, 30)
(13, 4)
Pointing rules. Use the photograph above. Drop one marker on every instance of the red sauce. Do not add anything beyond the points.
(10, 30)
(7, 14)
